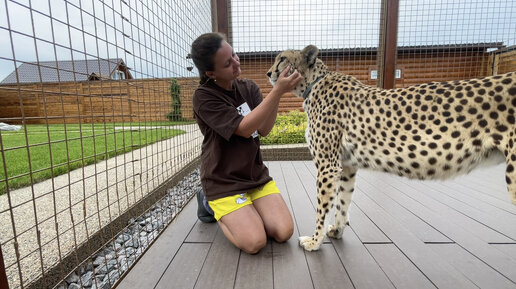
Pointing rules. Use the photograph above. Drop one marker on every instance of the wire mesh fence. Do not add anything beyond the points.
(96, 122)
(436, 41)
(96, 101)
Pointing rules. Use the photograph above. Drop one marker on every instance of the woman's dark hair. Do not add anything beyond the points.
(203, 53)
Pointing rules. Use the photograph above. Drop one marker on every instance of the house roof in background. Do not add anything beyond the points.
(78, 70)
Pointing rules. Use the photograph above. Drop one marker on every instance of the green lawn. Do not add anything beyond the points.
(70, 148)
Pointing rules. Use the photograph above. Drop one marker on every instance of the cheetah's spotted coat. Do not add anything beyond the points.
(426, 131)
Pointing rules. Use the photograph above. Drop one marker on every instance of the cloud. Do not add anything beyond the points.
(154, 39)
(277, 25)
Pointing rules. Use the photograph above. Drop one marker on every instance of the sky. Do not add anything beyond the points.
(154, 37)
(291, 24)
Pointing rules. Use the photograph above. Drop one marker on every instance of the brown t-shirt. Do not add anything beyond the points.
(230, 164)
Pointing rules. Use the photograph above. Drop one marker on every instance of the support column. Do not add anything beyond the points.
(220, 16)
(387, 50)
(3, 276)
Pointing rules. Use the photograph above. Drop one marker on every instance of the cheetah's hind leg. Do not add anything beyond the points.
(510, 173)
(344, 192)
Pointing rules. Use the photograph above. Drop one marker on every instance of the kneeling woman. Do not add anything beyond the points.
(231, 113)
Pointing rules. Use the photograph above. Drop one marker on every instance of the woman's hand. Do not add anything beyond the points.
(287, 83)
(262, 117)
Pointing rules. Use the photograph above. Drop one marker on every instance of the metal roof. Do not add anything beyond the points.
(54, 71)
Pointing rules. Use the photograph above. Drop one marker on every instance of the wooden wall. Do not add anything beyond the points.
(92, 101)
(503, 61)
(440, 66)
(149, 99)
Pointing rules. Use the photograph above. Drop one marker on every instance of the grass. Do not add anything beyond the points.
(58, 149)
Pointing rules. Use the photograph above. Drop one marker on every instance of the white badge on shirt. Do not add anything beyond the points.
(244, 110)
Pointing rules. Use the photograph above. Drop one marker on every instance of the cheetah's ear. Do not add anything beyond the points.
(310, 54)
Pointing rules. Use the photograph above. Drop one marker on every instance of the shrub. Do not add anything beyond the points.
(288, 129)
(175, 93)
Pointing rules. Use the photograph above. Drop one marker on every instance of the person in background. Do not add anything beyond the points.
(237, 190)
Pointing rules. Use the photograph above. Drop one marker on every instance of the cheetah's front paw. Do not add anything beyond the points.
(335, 232)
(308, 243)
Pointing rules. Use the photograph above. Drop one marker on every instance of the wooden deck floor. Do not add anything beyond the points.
(403, 234)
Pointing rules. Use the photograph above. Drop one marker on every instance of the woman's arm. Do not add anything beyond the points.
(263, 116)
(269, 121)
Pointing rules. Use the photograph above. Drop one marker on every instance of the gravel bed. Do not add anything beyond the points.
(104, 268)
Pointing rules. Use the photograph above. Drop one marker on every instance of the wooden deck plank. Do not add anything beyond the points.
(382, 248)
(502, 203)
(154, 263)
(487, 185)
(255, 271)
(446, 223)
(219, 269)
(202, 232)
(302, 207)
(488, 180)
(290, 268)
(327, 270)
(476, 270)
(491, 216)
(363, 227)
(405, 217)
(185, 267)
(398, 268)
(485, 202)
(508, 249)
(439, 272)
(364, 271)
(429, 208)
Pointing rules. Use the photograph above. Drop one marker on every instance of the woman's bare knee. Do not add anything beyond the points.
(253, 246)
(245, 229)
(282, 232)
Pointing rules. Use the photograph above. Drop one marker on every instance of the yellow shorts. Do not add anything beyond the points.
(224, 206)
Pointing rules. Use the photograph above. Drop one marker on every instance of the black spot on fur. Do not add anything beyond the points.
(501, 128)
(467, 124)
(507, 81)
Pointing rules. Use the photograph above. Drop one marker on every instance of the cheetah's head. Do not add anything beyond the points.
(306, 63)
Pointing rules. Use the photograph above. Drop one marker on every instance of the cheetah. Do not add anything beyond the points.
(428, 131)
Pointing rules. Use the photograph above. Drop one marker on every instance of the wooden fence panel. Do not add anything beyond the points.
(93, 101)
(138, 100)
(503, 62)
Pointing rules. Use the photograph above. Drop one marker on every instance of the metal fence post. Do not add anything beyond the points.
(3, 276)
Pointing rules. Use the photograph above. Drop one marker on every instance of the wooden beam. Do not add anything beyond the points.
(220, 16)
(214, 20)
(388, 44)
